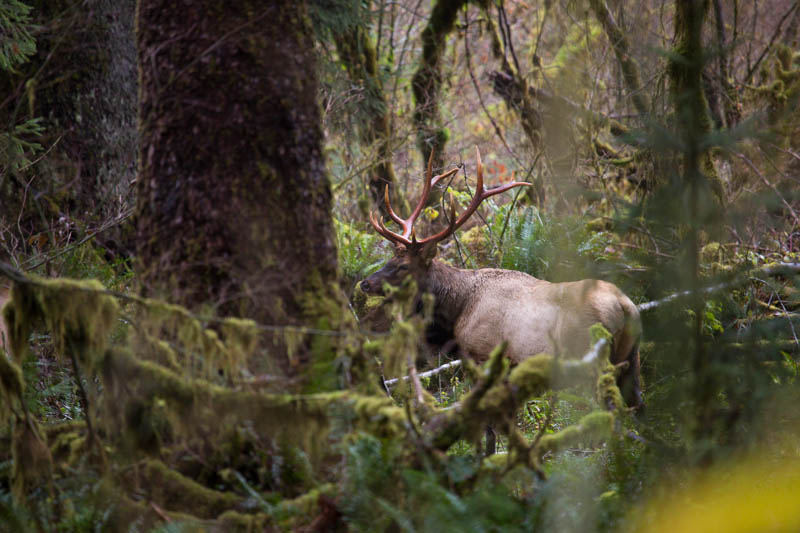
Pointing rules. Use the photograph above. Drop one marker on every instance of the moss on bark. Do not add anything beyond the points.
(685, 69)
(427, 81)
(359, 56)
(233, 197)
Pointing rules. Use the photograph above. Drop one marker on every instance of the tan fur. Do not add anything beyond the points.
(536, 316)
(479, 309)
(482, 308)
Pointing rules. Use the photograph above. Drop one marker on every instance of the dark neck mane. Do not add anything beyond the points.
(450, 288)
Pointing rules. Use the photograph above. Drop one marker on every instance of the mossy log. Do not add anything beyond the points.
(503, 391)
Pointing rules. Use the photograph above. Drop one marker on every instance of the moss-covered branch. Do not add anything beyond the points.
(427, 81)
(176, 492)
(630, 70)
(502, 392)
(690, 107)
(359, 56)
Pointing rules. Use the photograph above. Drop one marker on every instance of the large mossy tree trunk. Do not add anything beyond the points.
(234, 203)
(81, 83)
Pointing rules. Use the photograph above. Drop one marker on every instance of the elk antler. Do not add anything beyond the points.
(408, 238)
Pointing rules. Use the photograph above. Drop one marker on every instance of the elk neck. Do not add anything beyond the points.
(451, 288)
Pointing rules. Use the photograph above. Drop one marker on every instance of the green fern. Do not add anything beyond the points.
(359, 253)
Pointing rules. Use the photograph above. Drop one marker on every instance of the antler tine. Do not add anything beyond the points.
(389, 209)
(440, 177)
(426, 191)
(381, 228)
(409, 237)
(451, 226)
(480, 195)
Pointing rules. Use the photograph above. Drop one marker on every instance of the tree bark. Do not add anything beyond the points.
(82, 84)
(358, 53)
(630, 70)
(427, 81)
(685, 68)
(234, 203)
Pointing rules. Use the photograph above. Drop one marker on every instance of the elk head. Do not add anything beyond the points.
(414, 256)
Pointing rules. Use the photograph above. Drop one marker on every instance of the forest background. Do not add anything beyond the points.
(184, 201)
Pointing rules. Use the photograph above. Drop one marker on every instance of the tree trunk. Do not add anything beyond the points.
(358, 53)
(685, 69)
(619, 42)
(233, 200)
(427, 81)
(82, 84)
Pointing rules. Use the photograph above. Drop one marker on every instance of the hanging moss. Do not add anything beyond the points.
(11, 385)
(175, 492)
(78, 314)
(33, 464)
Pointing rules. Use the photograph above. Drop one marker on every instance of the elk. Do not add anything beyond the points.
(479, 309)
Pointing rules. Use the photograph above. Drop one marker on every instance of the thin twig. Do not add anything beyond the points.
(468, 56)
(29, 165)
(514, 202)
(767, 48)
(124, 216)
(766, 182)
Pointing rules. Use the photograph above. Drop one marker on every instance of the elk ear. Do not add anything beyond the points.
(429, 251)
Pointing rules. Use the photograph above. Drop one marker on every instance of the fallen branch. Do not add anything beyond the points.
(769, 270)
(438, 370)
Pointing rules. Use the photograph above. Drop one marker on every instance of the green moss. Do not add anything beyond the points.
(33, 464)
(78, 314)
(178, 493)
(12, 384)
(380, 415)
(237, 522)
(594, 427)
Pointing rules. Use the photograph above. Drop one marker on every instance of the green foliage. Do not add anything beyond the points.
(18, 142)
(360, 253)
(15, 25)
(721, 371)
(17, 145)
(331, 17)
(380, 491)
(555, 249)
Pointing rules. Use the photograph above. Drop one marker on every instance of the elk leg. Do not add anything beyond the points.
(629, 382)
(491, 441)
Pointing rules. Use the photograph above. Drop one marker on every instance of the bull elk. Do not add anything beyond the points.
(478, 309)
